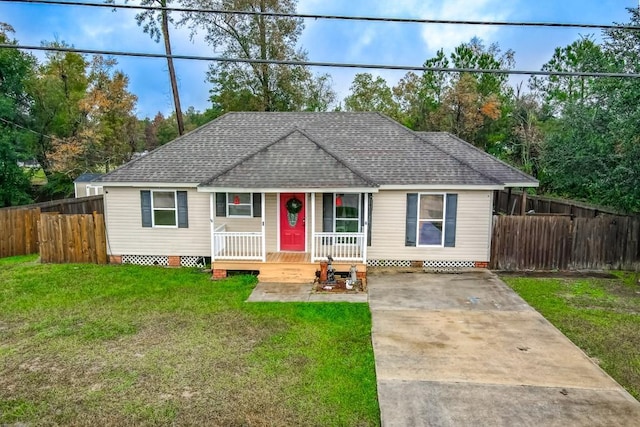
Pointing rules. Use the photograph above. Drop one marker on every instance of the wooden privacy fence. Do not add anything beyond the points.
(560, 243)
(19, 231)
(81, 205)
(72, 238)
(510, 203)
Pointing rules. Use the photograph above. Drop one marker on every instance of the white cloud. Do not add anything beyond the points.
(449, 36)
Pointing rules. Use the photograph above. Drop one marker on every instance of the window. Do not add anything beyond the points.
(163, 206)
(239, 205)
(431, 215)
(347, 215)
(431, 220)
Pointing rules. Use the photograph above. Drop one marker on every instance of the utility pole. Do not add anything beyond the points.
(172, 71)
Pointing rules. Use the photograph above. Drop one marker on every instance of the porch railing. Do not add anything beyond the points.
(236, 244)
(341, 246)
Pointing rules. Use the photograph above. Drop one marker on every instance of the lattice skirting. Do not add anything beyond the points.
(448, 264)
(192, 261)
(145, 259)
(388, 263)
(428, 264)
(185, 261)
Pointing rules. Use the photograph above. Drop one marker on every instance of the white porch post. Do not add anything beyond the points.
(313, 226)
(212, 215)
(264, 234)
(366, 227)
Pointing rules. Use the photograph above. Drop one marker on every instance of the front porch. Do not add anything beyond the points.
(282, 267)
(261, 232)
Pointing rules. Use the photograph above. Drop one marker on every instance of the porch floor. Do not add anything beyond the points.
(284, 267)
(289, 257)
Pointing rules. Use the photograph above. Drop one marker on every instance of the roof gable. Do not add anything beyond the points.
(294, 160)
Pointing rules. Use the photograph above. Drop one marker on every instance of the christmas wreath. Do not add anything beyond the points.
(294, 205)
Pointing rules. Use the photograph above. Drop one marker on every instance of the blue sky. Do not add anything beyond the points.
(326, 41)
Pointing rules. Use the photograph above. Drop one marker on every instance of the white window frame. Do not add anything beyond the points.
(346, 241)
(95, 189)
(443, 220)
(230, 203)
(154, 209)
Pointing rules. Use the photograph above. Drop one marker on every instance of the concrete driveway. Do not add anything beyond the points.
(464, 349)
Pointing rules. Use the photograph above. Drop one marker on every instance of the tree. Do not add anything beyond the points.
(468, 104)
(525, 135)
(107, 135)
(592, 148)
(369, 94)
(239, 86)
(583, 55)
(15, 70)
(57, 88)
(156, 24)
(463, 110)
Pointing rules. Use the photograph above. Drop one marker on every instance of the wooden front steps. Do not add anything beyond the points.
(283, 267)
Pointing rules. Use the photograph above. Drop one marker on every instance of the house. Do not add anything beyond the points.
(84, 185)
(279, 192)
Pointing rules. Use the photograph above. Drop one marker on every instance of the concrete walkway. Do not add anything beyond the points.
(465, 350)
(299, 292)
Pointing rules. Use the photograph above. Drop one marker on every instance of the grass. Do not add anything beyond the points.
(131, 345)
(601, 316)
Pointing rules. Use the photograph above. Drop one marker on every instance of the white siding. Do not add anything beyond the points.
(126, 236)
(271, 223)
(473, 226)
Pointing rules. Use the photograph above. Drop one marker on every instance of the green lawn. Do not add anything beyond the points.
(601, 316)
(125, 345)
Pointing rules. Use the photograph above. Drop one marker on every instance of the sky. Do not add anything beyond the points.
(324, 40)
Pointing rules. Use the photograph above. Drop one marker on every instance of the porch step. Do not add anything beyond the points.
(288, 273)
(297, 273)
(283, 272)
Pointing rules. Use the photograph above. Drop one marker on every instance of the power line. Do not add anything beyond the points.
(321, 64)
(335, 17)
(9, 122)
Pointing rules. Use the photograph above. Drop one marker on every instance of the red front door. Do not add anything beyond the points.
(292, 224)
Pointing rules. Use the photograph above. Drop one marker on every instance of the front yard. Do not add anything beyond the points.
(600, 315)
(125, 345)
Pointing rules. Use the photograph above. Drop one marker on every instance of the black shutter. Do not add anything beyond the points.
(257, 205)
(412, 219)
(183, 210)
(450, 221)
(145, 203)
(221, 204)
(327, 212)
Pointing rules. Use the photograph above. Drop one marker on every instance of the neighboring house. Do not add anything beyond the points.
(84, 185)
(255, 191)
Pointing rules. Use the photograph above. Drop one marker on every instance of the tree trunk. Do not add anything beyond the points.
(172, 71)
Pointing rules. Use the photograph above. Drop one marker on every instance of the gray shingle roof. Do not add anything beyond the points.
(293, 161)
(475, 157)
(87, 177)
(276, 150)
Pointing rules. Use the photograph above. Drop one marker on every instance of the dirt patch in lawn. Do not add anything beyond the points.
(191, 370)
